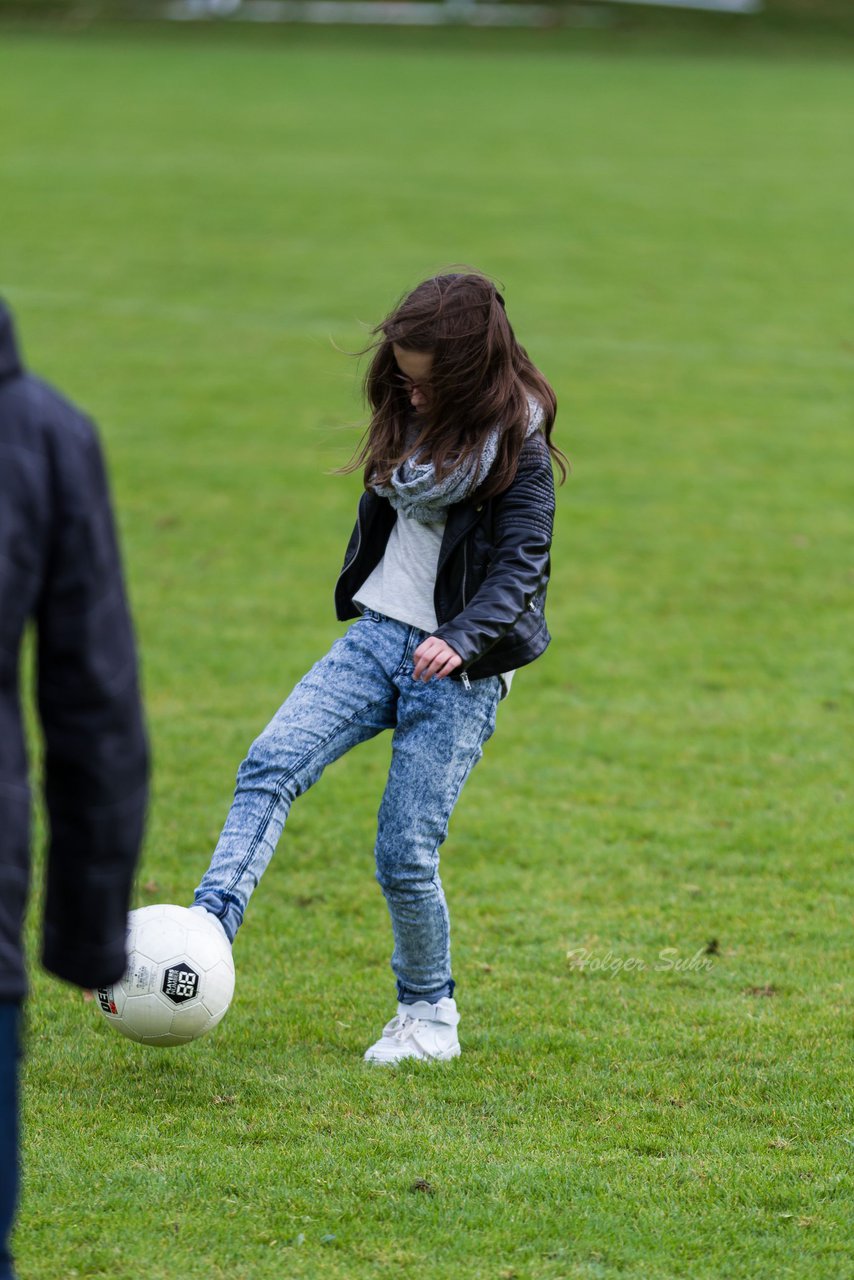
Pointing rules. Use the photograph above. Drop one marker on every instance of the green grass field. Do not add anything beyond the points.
(195, 232)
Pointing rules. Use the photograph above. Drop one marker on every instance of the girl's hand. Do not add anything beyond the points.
(434, 658)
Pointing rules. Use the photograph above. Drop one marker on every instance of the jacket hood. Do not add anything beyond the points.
(10, 360)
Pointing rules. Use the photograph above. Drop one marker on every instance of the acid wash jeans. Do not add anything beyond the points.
(363, 685)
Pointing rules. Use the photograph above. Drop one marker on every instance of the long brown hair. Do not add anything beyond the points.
(480, 378)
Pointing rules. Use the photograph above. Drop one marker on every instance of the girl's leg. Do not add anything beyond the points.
(346, 698)
(439, 737)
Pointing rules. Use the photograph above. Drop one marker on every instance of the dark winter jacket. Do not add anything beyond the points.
(59, 567)
(493, 569)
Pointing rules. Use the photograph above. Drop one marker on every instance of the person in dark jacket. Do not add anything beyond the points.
(447, 569)
(60, 569)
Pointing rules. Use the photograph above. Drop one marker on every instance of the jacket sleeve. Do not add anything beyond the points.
(520, 562)
(95, 744)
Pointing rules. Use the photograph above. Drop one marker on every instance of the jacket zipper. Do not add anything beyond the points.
(464, 680)
(448, 552)
(466, 683)
(358, 543)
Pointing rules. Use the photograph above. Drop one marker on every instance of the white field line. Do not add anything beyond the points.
(268, 322)
(425, 13)
(396, 13)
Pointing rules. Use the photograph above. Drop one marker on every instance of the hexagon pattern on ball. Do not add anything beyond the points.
(179, 980)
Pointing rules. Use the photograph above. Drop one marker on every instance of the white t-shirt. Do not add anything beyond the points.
(401, 586)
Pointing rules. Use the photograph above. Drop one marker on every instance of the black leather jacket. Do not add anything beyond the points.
(493, 569)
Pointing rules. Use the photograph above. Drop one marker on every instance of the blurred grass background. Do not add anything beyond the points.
(197, 227)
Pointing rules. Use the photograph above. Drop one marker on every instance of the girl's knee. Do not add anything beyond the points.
(407, 880)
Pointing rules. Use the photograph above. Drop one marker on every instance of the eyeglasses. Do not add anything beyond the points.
(409, 386)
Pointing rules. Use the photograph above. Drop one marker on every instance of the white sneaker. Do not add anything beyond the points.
(421, 1030)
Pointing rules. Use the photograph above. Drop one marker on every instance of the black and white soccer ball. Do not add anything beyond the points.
(179, 980)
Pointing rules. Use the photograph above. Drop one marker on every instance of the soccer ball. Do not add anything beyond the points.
(179, 980)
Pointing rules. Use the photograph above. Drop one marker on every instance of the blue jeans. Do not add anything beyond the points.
(363, 685)
(10, 1018)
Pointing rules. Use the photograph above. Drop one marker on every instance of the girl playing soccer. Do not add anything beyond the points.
(445, 573)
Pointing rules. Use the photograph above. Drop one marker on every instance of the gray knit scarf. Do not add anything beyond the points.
(414, 490)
